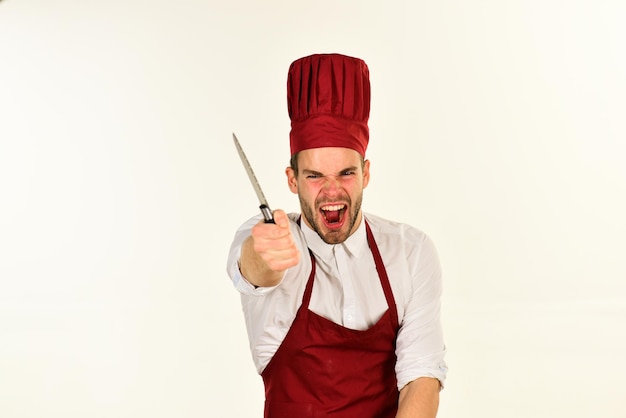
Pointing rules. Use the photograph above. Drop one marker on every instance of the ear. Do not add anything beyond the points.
(366, 173)
(292, 182)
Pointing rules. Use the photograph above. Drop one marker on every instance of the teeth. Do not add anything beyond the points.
(333, 207)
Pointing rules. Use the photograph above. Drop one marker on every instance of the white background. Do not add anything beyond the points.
(497, 127)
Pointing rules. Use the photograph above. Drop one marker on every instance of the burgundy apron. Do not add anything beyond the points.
(323, 369)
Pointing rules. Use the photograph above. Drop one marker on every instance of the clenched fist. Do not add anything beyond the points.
(269, 251)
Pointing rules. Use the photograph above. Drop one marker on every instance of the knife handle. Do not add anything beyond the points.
(267, 214)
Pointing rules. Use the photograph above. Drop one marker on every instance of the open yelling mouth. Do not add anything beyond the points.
(333, 215)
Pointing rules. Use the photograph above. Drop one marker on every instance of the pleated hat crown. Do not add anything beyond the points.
(328, 98)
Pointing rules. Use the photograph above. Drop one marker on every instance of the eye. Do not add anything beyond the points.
(348, 173)
(313, 176)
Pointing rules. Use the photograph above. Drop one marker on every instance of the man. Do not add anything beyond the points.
(342, 308)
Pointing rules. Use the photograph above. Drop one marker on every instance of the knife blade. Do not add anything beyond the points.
(265, 209)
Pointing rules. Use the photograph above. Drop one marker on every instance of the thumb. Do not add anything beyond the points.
(281, 219)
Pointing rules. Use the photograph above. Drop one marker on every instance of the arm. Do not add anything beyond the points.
(421, 368)
(419, 399)
(268, 252)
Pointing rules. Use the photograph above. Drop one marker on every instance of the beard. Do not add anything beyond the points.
(333, 236)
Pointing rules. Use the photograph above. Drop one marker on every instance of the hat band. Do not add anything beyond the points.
(328, 131)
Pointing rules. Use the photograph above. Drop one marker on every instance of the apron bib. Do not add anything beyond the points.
(323, 369)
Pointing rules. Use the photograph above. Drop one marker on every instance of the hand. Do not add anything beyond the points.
(269, 251)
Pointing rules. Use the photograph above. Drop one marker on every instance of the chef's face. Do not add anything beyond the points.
(329, 184)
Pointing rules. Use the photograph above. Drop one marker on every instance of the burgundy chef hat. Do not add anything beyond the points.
(328, 97)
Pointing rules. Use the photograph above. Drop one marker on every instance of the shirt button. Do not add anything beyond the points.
(349, 317)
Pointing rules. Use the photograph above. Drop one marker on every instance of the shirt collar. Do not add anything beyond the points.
(352, 246)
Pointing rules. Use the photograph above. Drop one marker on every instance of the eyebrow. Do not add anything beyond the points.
(317, 173)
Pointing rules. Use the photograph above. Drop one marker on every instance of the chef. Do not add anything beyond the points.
(342, 307)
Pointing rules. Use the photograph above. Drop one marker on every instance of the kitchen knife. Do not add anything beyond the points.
(265, 209)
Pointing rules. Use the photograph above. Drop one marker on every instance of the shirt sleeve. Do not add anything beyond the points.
(420, 346)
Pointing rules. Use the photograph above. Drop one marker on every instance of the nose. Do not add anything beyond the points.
(332, 184)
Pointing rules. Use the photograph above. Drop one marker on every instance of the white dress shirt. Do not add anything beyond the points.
(348, 292)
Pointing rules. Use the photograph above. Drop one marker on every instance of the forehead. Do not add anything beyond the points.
(329, 159)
